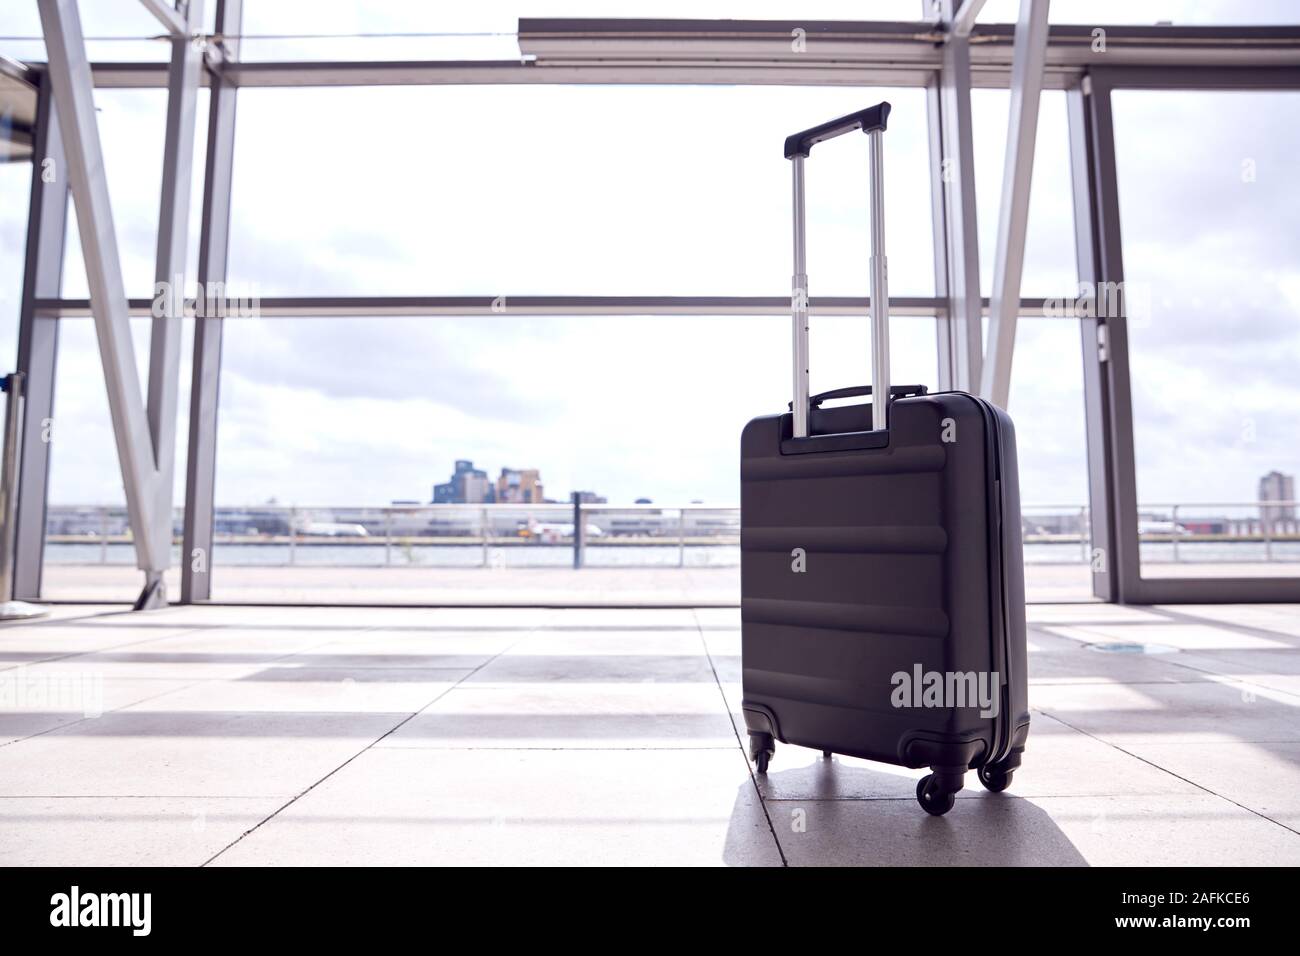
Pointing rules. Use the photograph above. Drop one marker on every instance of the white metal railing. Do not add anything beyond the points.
(1270, 524)
(589, 535)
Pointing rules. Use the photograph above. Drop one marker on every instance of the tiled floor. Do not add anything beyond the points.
(240, 735)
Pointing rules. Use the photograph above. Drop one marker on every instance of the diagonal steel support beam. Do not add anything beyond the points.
(70, 74)
(171, 18)
(964, 19)
(169, 284)
(145, 436)
(1013, 218)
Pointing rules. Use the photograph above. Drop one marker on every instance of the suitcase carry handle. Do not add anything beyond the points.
(798, 147)
(868, 120)
(854, 391)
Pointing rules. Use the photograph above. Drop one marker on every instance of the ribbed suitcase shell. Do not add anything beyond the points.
(913, 557)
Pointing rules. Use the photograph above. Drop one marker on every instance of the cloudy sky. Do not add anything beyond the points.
(482, 190)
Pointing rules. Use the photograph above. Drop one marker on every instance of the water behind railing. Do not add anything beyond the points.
(507, 536)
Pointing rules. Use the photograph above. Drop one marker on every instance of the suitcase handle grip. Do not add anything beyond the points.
(868, 120)
(853, 391)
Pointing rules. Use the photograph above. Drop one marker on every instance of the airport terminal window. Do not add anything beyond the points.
(323, 421)
(132, 130)
(592, 402)
(1209, 226)
(1047, 406)
(84, 468)
(555, 190)
(86, 520)
(1050, 266)
(116, 32)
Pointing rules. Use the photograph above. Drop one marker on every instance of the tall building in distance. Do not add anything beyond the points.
(1276, 486)
(468, 486)
(519, 486)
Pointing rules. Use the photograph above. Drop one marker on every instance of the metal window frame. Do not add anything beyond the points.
(851, 53)
(205, 369)
(469, 306)
(1107, 376)
(38, 344)
(677, 52)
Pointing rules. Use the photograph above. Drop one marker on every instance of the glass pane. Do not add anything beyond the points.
(115, 31)
(581, 190)
(132, 132)
(1212, 266)
(89, 552)
(1051, 268)
(339, 429)
(1046, 405)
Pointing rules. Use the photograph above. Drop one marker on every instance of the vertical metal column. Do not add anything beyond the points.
(1108, 406)
(214, 241)
(169, 285)
(11, 610)
(1173, 517)
(1126, 559)
(963, 323)
(577, 531)
(38, 340)
(12, 386)
(1095, 398)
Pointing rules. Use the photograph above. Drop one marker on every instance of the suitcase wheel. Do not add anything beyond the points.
(994, 778)
(935, 800)
(761, 748)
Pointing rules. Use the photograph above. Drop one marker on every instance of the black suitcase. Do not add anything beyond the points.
(882, 578)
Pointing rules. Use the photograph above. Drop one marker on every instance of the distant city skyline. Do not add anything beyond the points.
(1275, 486)
(470, 485)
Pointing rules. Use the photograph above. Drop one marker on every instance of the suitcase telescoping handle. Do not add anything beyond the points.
(798, 147)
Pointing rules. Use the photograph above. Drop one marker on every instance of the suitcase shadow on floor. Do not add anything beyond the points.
(832, 813)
